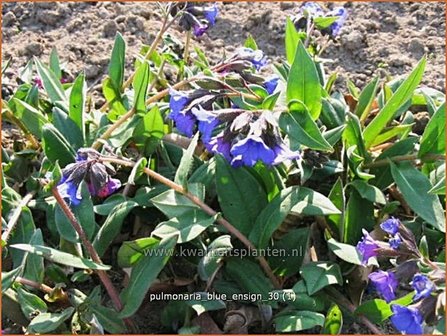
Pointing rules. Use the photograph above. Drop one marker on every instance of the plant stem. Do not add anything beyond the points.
(399, 158)
(113, 294)
(234, 231)
(341, 300)
(42, 287)
(187, 44)
(16, 215)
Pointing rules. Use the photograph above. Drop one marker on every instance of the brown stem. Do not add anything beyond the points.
(341, 300)
(114, 296)
(16, 215)
(399, 158)
(234, 231)
(42, 287)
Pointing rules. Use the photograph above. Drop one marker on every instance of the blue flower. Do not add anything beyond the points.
(69, 190)
(312, 10)
(271, 83)
(283, 153)
(385, 283)
(250, 150)
(210, 13)
(367, 247)
(395, 241)
(207, 122)
(256, 57)
(391, 226)
(342, 14)
(422, 285)
(408, 320)
(199, 29)
(185, 121)
(219, 145)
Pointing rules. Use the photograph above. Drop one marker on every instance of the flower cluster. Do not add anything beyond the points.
(87, 168)
(197, 17)
(401, 243)
(311, 10)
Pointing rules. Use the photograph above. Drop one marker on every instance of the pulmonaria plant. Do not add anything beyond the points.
(311, 13)
(87, 168)
(409, 262)
(196, 17)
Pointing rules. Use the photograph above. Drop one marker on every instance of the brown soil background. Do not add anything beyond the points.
(378, 38)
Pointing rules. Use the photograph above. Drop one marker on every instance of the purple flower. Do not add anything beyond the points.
(422, 285)
(385, 283)
(367, 247)
(210, 13)
(87, 168)
(250, 150)
(395, 241)
(199, 29)
(38, 82)
(184, 120)
(391, 226)
(408, 320)
(342, 14)
(283, 153)
(271, 83)
(218, 145)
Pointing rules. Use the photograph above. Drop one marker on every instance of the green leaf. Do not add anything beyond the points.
(334, 321)
(291, 249)
(366, 99)
(131, 252)
(293, 199)
(205, 304)
(113, 97)
(107, 206)
(376, 310)
(332, 113)
(187, 227)
(303, 83)
(399, 98)
(137, 170)
(60, 257)
(369, 192)
(30, 303)
(32, 118)
(297, 320)
(117, 63)
(324, 22)
(140, 85)
(184, 169)
(51, 83)
(298, 298)
(112, 226)
(337, 197)
(68, 128)
(173, 204)
(56, 147)
(318, 275)
(433, 138)
(249, 276)
(8, 278)
(84, 214)
(149, 131)
(241, 197)
(301, 129)
(359, 214)
(47, 322)
(415, 187)
(250, 43)
(34, 265)
(54, 63)
(213, 257)
(78, 99)
(108, 317)
(143, 274)
(291, 40)
(345, 252)
(396, 131)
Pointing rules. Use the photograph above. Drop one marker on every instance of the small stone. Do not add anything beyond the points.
(103, 13)
(9, 19)
(120, 18)
(110, 29)
(286, 5)
(416, 47)
(50, 18)
(92, 71)
(32, 49)
(74, 25)
(352, 41)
